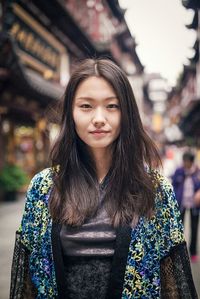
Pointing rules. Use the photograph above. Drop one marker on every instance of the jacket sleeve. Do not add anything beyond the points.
(21, 286)
(176, 276)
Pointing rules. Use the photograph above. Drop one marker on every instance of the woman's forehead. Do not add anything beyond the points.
(94, 86)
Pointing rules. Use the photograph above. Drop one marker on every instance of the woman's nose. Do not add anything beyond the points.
(99, 117)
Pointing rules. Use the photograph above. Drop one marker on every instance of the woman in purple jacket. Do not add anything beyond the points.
(186, 181)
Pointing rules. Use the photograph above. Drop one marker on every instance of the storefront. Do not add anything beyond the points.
(31, 79)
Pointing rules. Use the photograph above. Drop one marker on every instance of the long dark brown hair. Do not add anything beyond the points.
(130, 189)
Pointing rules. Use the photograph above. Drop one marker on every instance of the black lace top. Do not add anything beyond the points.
(87, 277)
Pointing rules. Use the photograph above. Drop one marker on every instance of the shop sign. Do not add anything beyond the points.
(32, 44)
(37, 47)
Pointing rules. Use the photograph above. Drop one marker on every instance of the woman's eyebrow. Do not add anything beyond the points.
(91, 99)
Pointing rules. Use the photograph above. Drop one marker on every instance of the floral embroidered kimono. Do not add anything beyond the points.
(150, 261)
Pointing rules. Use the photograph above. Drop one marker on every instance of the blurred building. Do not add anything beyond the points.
(40, 42)
(181, 101)
(190, 83)
(184, 101)
(156, 91)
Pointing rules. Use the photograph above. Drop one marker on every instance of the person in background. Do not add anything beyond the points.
(102, 222)
(186, 181)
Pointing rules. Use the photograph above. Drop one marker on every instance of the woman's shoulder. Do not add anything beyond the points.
(164, 192)
(41, 182)
(160, 181)
(42, 175)
(165, 199)
(167, 218)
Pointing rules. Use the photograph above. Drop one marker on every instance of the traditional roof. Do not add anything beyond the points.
(194, 24)
(191, 3)
(59, 16)
(195, 58)
(116, 9)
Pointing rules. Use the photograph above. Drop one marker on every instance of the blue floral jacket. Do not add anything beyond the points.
(150, 261)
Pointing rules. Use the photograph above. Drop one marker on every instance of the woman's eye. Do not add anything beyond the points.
(85, 106)
(113, 106)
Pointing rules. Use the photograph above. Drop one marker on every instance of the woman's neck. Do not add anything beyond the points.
(102, 158)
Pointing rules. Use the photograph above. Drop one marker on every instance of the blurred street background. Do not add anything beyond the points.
(157, 44)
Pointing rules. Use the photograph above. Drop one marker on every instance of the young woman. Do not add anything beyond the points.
(101, 222)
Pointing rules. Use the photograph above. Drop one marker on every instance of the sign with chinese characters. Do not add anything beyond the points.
(37, 47)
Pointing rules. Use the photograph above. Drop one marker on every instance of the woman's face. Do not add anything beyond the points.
(96, 113)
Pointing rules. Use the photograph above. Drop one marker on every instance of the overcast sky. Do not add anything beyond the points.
(164, 43)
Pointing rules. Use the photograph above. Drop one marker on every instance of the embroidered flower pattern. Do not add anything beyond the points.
(154, 239)
(36, 235)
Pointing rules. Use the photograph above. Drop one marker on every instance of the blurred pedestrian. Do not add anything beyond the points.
(101, 223)
(186, 182)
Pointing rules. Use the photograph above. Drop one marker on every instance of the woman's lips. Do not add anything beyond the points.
(99, 133)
